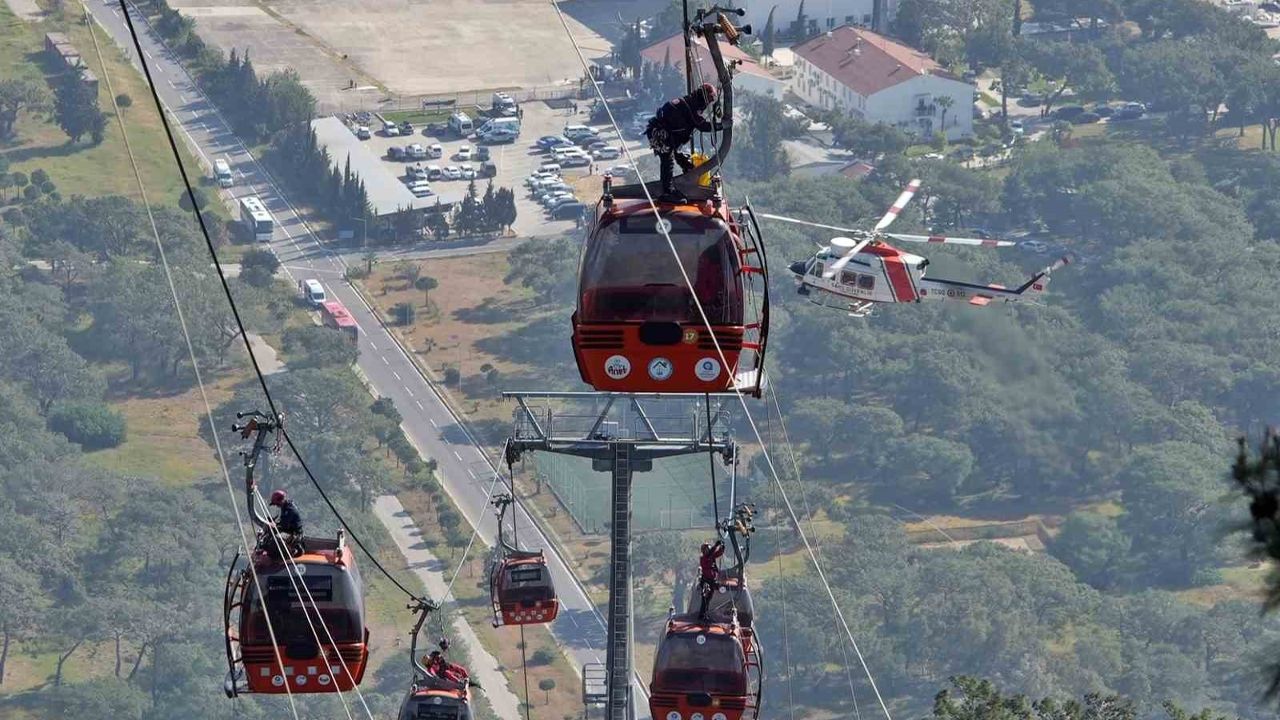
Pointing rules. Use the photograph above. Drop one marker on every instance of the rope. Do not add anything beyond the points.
(724, 363)
(711, 462)
(195, 366)
(235, 312)
(786, 638)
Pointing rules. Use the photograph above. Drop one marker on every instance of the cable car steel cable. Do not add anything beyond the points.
(182, 323)
(751, 422)
(235, 312)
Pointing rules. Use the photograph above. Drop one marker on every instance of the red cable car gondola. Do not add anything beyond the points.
(520, 587)
(314, 607)
(711, 667)
(441, 690)
(637, 327)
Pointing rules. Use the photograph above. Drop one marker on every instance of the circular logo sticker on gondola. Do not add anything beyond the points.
(660, 368)
(617, 367)
(707, 369)
(702, 640)
(663, 226)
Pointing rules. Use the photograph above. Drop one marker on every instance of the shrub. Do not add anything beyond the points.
(404, 313)
(451, 376)
(541, 657)
(123, 100)
(93, 425)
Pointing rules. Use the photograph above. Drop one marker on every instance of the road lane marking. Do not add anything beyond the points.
(419, 404)
(472, 473)
(406, 389)
(393, 372)
(384, 359)
(375, 347)
(433, 422)
(455, 454)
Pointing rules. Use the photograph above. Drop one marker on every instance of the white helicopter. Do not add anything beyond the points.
(862, 269)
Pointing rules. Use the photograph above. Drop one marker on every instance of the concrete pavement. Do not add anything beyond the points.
(428, 421)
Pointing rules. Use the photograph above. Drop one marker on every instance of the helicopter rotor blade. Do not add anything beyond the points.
(794, 221)
(839, 264)
(941, 240)
(898, 205)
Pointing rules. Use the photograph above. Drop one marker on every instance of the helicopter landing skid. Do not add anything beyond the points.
(860, 309)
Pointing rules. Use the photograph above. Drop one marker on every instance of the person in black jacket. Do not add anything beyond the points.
(290, 520)
(672, 127)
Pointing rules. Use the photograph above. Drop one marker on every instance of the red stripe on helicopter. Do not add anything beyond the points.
(937, 239)
(899, 279)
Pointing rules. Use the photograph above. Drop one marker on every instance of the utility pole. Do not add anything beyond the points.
(623, 434)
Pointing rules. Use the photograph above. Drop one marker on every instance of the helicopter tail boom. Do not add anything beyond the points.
(981, 295)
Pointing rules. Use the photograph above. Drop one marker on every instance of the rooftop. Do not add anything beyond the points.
(387, 194)
(865, 61)
(671, 51)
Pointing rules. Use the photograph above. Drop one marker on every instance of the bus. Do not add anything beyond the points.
(222, 171)
(335, 315)
(256, 218)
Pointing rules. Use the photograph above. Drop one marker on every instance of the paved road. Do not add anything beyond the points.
(428, 422)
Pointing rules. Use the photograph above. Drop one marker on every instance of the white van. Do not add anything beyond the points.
(561, 153)
(312, 292)
(577, 132)
(435, 172)
(507, 125)
(222, 171)
(460, 123)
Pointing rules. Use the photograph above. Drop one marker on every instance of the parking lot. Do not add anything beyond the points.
(514, 161)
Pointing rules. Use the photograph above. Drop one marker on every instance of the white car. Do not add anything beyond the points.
(453, 172)
(558, 189)
(551, 167)
(1035, 246)
(609, 153)
(575, 161)
(551, 200)
(363, 133)
(416, 151)
(466, 152)
(390, 129)
(435, 151)
(1016, 127)
(421, 188)
(529, 181)
(468, 172)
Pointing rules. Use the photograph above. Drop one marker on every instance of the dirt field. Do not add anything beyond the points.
(394, 48)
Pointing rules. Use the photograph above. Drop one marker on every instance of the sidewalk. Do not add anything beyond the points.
(434, 574)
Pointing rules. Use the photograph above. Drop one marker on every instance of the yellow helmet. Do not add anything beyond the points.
(704, 180)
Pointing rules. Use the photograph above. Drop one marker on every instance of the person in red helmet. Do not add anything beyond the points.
(673, 127)
(709, 572)
(289, 522)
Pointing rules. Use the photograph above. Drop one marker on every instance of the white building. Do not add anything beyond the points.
(879, 80)
(819, 15)
(748, 75)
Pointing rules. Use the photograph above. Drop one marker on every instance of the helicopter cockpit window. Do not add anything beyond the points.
(867, 282)
(849, 277)
(629, 273)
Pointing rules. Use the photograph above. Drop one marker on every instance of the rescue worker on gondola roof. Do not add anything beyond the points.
(290, 520)
(709, 571)
(672, 127)
(437, 665)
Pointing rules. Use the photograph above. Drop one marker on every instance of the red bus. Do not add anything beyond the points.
(336, 316)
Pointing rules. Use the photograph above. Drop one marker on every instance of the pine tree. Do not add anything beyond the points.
(75, 106)
(769, 37)
(489, 213)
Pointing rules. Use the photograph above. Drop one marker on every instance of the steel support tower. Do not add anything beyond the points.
(623, 434)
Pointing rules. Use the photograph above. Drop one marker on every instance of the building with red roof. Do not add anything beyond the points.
(881, 80)
(748, 76)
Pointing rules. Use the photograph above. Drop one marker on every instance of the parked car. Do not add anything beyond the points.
(553, 167)
(363, 133)
(567, 211)
(538, 176)
(464, 153)
(577, 132)
(607, 153)
(499, 137)
(416, 151)
(550, 189)
(1031, 100)
(980, 233)
(546, 142)
(1035, 246)
(1102, 110)
(551, 201)
(1086, 118)
(1067, 112)
(596, 145)
(395, 152)
(1016, 127)
(1130, 111)
(435, 151)
(435, 172)
(417, 172)
(468, 171)
(406, 128)
(421, 188)
(390, 129)
(488, 170)
(482, 153)
(453, 172)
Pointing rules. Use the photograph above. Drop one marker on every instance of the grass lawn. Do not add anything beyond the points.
(418, 117)
(83, 169)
